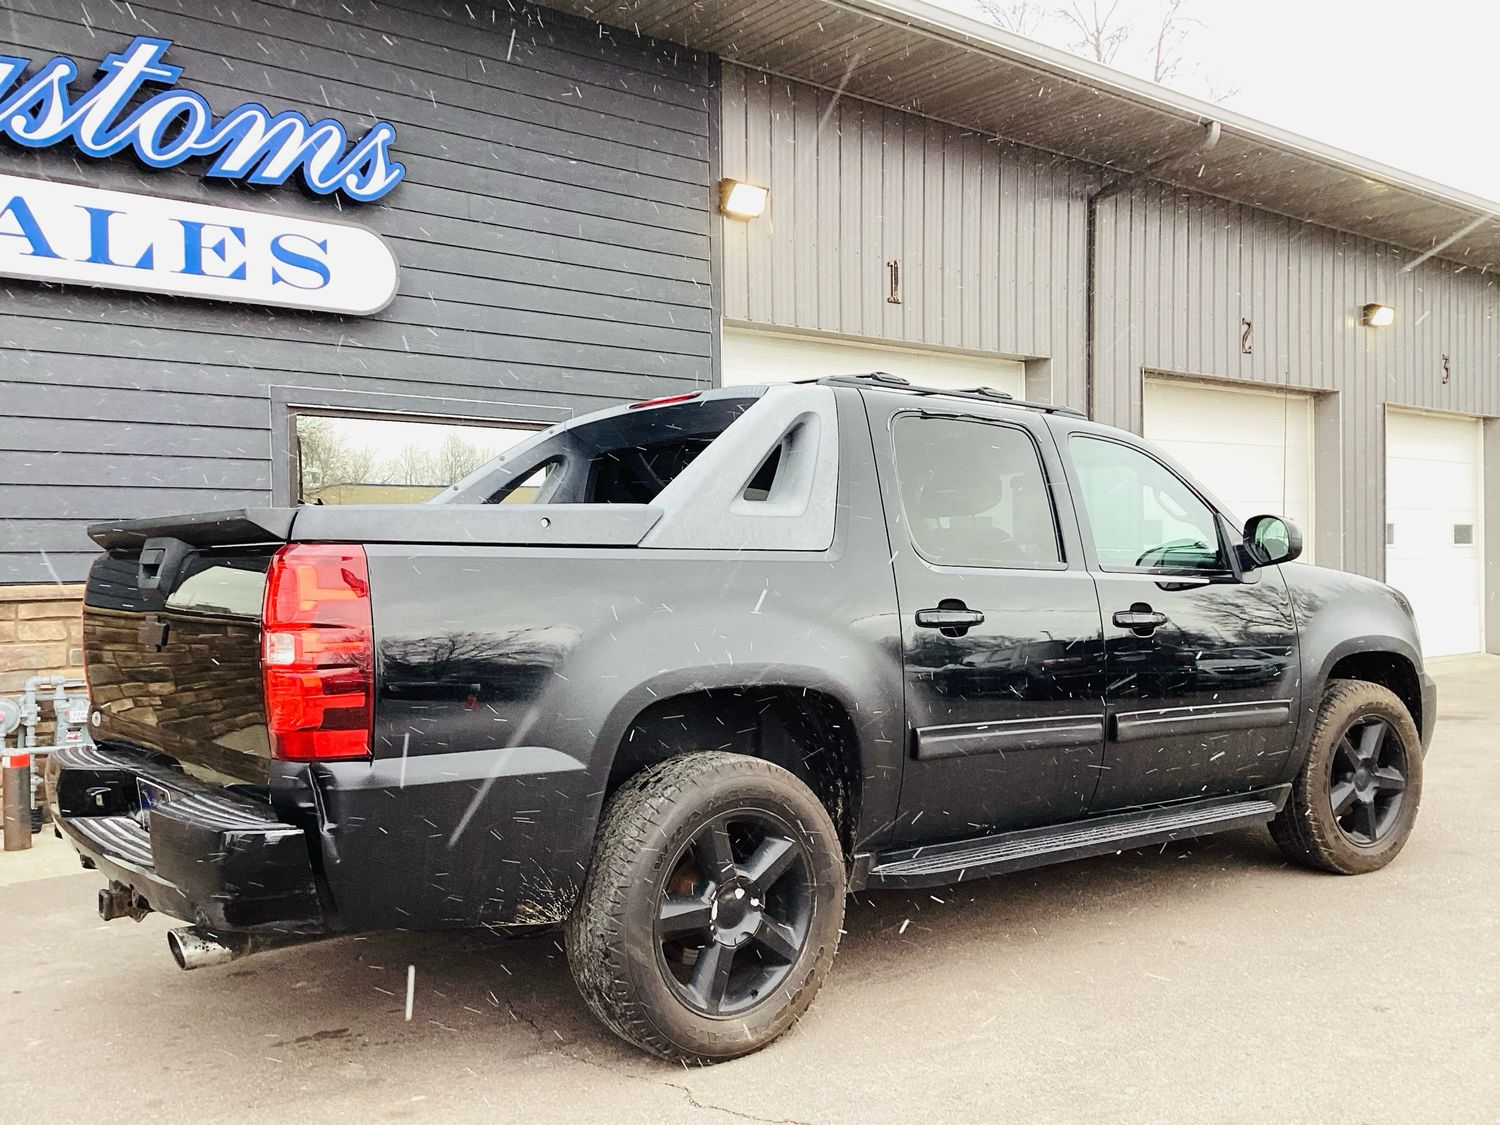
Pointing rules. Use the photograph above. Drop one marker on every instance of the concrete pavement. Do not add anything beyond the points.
(1203, 981)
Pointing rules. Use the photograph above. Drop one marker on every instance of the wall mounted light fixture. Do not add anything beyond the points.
(739, 200)
(1377, 316)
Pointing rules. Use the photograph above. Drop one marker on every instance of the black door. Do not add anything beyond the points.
(1201, 661)
(999, 622)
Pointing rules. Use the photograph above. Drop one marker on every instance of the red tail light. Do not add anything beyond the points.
(665, 401)
(318, 653)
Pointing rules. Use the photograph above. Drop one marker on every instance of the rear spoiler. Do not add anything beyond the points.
(550, 525)
(240, 526)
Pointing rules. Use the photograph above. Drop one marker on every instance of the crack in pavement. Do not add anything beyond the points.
(685, 1091)
(522, 1017)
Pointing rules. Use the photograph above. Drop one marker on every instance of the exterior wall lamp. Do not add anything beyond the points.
(739, 200)
(1377, 316)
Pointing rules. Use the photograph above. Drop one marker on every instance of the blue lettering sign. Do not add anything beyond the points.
(68, 234)
(99, 240)
(26, 227)
(193, 248)
(282, 251)
(248, 143)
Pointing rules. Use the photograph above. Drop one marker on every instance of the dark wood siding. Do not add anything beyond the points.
(552, 231)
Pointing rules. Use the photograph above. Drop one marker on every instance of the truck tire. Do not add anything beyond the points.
(1354, 802)
(712, 909)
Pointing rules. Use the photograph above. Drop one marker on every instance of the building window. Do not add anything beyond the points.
(344, 459)
(1463, 535)
(1390, 535)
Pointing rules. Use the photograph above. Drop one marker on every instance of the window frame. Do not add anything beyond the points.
(1230, 571)
(1049, 484)
(287, 403)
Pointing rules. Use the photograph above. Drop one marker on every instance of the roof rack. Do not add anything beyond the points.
(983, 394)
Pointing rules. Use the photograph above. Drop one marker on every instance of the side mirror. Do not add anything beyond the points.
(1270, 540)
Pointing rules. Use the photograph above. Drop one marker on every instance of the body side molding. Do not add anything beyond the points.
(1131, 726)
(962, 739)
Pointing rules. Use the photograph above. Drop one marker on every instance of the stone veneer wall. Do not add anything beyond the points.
(41, 632)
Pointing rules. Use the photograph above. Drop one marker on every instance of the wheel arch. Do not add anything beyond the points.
(806, 723)
(1385, 661)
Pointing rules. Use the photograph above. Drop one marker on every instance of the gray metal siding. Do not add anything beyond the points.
(1179, 272)
(553, 232)
(990, 236)
(955, 68)
(992, 242)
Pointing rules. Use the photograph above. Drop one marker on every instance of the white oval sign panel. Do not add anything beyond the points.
(52, 231)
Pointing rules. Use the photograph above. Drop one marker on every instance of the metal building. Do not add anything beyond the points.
(944, 200)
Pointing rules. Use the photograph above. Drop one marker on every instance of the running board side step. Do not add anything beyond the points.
(960, 860)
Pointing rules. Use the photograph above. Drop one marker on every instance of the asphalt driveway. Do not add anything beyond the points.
(1203, 981)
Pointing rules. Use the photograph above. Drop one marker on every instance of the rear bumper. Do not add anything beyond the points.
(1429, 709)
(202, 853)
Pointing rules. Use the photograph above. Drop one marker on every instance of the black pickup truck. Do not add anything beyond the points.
(679, 675)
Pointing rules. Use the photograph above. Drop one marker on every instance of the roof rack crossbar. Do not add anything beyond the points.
(981, 394)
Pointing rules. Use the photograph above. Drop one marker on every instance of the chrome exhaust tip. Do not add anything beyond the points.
(197, 947)
(193, 947)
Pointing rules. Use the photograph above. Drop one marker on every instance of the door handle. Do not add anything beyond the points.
(1140, 619)
(951, 617)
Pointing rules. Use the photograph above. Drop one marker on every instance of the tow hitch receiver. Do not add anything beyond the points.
(119, 901)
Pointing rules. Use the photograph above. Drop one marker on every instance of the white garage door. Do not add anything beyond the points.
(770, 357)
(1251, 449)
(1433, 496)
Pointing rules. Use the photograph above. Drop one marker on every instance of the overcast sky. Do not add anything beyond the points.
(1408, 84)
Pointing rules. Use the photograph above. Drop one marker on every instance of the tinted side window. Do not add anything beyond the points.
(973, 493)
(636, 474)
(1141, 515)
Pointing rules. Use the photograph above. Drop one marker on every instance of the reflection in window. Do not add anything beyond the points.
(1141, 515)
(343, 460)
(974, 493)
(234, 586)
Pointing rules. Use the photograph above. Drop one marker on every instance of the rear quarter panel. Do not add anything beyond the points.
(508, 676)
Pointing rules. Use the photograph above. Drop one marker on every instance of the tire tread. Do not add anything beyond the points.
(1306, 837)
(596, 933)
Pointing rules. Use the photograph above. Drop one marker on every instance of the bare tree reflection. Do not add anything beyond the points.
(471, 665)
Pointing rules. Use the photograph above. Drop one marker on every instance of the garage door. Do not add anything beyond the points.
(769, 357)
(1433, 496)
(1251, 449)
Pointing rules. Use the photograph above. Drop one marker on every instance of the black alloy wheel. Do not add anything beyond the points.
(712, 908)
(1367, 780)
(734, 912)
(1357, 793)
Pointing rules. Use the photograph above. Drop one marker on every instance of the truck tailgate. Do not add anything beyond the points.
(172, 648)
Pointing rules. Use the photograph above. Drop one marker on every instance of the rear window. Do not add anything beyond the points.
(620, 459)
